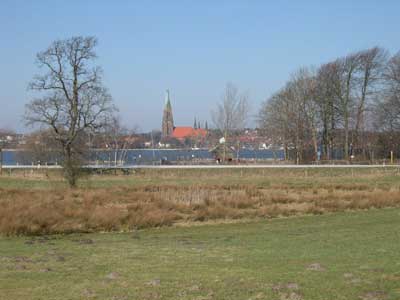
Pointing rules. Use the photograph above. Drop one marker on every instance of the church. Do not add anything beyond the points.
(181, 133)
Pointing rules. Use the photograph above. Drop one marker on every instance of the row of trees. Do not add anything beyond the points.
(351, 104)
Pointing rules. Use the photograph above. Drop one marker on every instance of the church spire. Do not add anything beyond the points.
(167, 100)
(168, 120)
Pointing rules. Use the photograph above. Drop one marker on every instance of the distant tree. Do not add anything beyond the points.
(387, 110)
(337, 106)
(327, 102)
(231, 113)
(275, 118)
(116, 138)
(72, 101)
(372, 63)
(346, 71)
(291, 116)
(39, 147)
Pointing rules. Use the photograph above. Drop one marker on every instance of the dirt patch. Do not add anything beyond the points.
(22, 259)
(87, 293)
(19, 267)
(194, 288)
(351, 278)
(287, 291)
(40, 240)
(113, 276)
(151, 296)
(84, 241)
(355, 281)
(316, 267)
(374, 295)
(348, 275)
(154, 282)
(60, 258)
(45, 270)
(376, 270)
(290, 296)
(119, 298)
(259, 296)
(285, 286)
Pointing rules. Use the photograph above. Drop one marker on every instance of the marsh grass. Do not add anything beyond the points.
(164, 199)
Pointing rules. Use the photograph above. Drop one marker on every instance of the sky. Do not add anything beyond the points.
(193, 48)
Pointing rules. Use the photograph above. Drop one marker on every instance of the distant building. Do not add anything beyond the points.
(168, 119)
(180, 133)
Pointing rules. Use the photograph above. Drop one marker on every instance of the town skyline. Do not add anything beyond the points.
(191, 49)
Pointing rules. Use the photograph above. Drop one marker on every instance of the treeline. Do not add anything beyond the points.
(348, 108)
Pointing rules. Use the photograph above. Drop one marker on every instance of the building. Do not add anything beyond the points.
(180, 133)
(168, 119)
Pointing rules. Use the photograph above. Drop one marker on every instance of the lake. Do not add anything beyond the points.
(144, 156)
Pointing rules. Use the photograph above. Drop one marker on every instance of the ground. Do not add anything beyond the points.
(200, 234)
(352, 255)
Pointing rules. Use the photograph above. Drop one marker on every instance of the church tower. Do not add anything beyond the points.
(168, 120)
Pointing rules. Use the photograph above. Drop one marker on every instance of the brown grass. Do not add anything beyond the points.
(126, 208)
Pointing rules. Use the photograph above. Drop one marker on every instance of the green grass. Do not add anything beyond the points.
(357, 255)
(307, 178)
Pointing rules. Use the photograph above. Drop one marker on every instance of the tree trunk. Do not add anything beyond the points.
(346, 136)
(70, 170)
(315, 143)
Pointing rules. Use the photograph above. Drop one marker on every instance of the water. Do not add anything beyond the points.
(144, 156)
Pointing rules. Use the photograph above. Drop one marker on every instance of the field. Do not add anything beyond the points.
(40, 203)
(352, 255)
(283, 234)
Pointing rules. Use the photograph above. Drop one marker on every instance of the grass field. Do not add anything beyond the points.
(42, 179)
(352, 255)
(283, 234)
(42, 204)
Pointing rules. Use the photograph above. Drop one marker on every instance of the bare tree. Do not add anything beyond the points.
(117, 138)
(73, 100)
(291, 116)
(305, 95)
(276, 119)
(392, 74)
(327, 102)
(231, 113)
(372, 63)
(335, 106)
(387, 110)
(343, 82)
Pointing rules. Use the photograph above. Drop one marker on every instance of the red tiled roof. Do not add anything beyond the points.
(184, 132)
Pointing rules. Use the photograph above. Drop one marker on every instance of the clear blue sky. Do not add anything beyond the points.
(190, 47)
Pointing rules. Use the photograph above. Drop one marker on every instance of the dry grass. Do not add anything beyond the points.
(44, 211)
